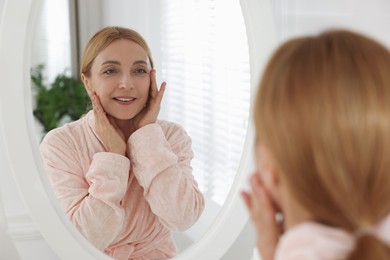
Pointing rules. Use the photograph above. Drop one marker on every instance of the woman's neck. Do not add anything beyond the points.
(293, 211)
(127, 127)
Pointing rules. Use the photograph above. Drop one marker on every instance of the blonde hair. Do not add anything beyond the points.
(105, 37)
(323, 112)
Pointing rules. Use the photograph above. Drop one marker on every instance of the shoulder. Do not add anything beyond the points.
(65, 134)
(310, 240)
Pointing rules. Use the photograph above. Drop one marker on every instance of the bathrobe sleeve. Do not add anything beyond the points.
(161, 154)
(91, 195)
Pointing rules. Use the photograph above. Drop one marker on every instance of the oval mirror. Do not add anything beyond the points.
(15, 62)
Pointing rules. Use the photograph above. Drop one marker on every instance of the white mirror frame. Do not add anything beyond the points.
(16, 29)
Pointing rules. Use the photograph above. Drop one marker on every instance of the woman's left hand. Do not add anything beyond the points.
(150, 112)
(263, 214)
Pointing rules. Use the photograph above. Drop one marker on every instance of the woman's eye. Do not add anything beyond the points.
(140, 71)
(109, 71)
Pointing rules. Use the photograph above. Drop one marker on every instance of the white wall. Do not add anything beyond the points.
(300, 17)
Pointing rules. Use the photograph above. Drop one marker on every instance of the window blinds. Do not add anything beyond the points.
(205, 61)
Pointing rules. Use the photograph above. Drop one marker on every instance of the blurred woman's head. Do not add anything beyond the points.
(323, 114)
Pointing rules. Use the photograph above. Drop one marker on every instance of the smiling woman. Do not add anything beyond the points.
(38, 197)
(111, 169)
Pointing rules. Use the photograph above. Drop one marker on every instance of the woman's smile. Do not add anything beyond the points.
(124, 100)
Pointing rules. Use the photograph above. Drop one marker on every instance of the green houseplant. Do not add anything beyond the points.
(64, 97)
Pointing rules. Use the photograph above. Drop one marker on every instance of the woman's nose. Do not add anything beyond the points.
(126, 82)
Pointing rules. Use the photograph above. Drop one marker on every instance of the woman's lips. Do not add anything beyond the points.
(124, 100)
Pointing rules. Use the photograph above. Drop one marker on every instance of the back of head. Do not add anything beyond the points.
(105, 37)
(323, 111)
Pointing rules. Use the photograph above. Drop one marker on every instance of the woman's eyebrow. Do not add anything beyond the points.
(140, 62)
(111, 62)
(118, 63)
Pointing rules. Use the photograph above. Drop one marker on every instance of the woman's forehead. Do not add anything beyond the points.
(123, 50)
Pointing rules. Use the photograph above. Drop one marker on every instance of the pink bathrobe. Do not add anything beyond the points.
(311, 240)
(126, 207)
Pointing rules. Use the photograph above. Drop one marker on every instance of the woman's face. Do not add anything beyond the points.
(120, 76)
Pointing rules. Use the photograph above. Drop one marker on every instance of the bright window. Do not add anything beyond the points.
(205, 60)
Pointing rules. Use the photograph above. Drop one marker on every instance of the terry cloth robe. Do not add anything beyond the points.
(128, 206)
(311, 240)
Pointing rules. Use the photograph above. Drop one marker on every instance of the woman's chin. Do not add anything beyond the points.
(122, 116)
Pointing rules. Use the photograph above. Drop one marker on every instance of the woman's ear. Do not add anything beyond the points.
(87, 84)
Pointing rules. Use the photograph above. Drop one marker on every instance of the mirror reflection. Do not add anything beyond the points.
(123, 177)
(127, 184)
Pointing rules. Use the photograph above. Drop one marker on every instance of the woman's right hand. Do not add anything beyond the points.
(262, 212)
(107, 130)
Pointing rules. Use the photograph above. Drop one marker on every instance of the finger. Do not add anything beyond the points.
(98, 103)
(160, 93)
(256, 184)
(257, 177)
(247, 199)
(260, 198)
(153, 84)
(95, 100)
(258, 187)
(99, 111)
(264, 196)
(94, 104)
(262, 201)
(97, 106)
